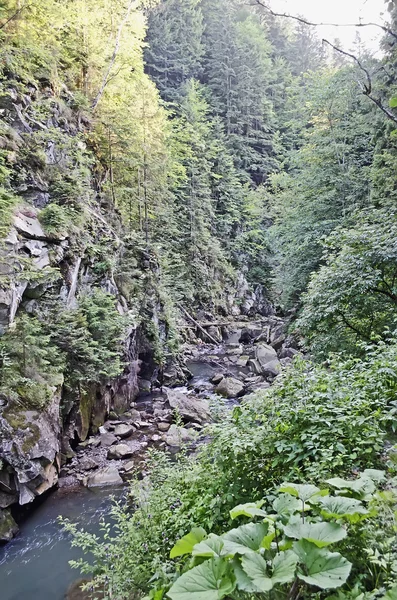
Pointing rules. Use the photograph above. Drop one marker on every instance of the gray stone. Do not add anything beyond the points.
(176, 436)
(124, 450)
(106, 476)
(189, 407)
(162, 426)
(87, 463)
(230, 387)
(217, 378)
(7, 499)
(124, 430)
(266, 356)
(288, 353)
(242, 361)
(108, 439)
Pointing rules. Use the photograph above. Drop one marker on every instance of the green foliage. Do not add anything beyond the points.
(353, 298)
(90, 339)
(30, 366)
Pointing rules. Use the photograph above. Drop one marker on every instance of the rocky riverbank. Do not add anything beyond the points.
(252, 355)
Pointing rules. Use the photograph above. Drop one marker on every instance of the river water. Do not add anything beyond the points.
(34, 566)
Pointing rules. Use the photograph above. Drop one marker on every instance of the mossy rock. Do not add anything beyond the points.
(8, 527)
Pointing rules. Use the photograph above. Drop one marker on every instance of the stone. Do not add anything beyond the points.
(217, 378)
(266, 356)
(162, 426)
(176, 436)
(242, 361)
(255, 366)
(87, 463)
(249, 333)
(106, 476)
(70, 481)
(144, 385)
(288, 353)
(7, 499)
(190, 408)
(8, 527)
(128, 466)
(124, 450)
(133, 414)
(124, 430)
(156, 438)
(230, 387)
(108, 439)
(102, 429)
(51, 479)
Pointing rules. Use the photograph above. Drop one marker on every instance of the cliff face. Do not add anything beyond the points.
(51, 257)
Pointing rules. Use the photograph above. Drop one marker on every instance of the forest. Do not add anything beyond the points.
(172, 164)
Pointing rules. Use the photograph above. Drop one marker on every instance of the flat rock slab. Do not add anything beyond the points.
(230, 387)
(108, 439)
(189, 407)
(124, 430)
(106, 476)
(124, 450)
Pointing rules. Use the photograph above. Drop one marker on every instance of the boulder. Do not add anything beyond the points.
(162, 426)
(124, 430)
(266, 356)
(217, 378)
(8, 527)
(189, 407)
(288, 353)
(249, 333)
(87, 463)
(176, 436)
(108, 439)
(106, 476)
(230, 387)
(242, 361)
(123, 450)
(7, 499)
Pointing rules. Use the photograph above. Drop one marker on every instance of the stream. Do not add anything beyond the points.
(34, 565)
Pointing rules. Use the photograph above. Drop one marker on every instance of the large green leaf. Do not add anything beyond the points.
(339, 507)
(244, 539)
(251, 509)
(363, 487)
(284, 565)
(393, 102)
(244, 583)
(283, 569)
(286, 505)
(322, 534)
(185, 545)
(375, 475)
(212, 580)
(210, 547)
(256, 568)
(300, 490)
(325, 569)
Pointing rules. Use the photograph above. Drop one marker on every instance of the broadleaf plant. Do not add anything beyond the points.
(289, 546)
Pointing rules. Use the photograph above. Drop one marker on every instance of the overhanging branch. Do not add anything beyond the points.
(311, 24)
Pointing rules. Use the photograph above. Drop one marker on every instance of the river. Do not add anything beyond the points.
(34, 566)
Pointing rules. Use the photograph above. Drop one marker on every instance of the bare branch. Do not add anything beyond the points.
(366, 87)
(106, 78)
(306, 22)
(14, 16)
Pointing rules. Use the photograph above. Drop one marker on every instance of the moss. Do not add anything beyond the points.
(32, 438)
(15, 419)
(87, 401)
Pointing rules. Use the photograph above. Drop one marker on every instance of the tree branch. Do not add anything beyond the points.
(366, 87)
(14, 16)
(105, 80)
(310, 24)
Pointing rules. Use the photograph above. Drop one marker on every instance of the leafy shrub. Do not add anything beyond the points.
(287, 550)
